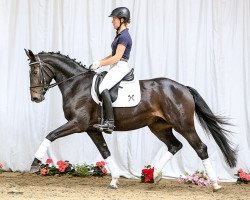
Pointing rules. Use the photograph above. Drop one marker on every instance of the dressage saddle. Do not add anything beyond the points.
(114, 90)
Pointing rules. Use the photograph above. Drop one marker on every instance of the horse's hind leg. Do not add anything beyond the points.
(102, 146)
(194, 140)
(165, 134)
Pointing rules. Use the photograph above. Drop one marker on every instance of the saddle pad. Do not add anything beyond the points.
(129, 93)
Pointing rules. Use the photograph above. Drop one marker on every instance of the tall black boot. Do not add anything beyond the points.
(108, 125)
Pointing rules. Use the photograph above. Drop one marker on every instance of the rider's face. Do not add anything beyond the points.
(116, 22)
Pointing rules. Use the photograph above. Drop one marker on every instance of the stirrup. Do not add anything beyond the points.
(106, 127)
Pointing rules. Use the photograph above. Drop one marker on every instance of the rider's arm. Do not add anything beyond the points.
(107, 57)
(115, 58)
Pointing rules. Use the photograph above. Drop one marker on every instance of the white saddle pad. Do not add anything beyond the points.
(129, 93)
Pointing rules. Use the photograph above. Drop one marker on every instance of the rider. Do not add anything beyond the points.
(118, 60)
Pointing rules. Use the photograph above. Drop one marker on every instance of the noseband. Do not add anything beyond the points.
(44, 67)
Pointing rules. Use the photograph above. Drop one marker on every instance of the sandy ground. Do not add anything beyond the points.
(31, 186)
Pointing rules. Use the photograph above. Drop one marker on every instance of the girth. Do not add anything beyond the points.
(114, 90)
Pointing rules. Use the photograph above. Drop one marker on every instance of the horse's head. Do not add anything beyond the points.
(41, 75)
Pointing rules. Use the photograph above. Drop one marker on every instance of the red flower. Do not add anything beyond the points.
(144, 171)
(147, 179)
(62, 166)
(1, 165)
(243, 176)
(60, 163)
(49, 161)
(44, 171)
(100, 164)
(62, 169)
(104, 170)
(148, 174)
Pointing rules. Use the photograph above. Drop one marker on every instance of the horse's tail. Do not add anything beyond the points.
(213, 124)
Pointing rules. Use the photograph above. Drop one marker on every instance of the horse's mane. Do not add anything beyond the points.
(64, 56)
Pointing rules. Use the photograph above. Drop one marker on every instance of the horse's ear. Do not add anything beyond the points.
(30, 54)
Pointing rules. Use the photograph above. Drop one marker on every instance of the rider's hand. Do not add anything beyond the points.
(95, 65)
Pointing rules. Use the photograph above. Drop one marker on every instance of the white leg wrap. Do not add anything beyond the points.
(163, 161)
(210, 171)
(112, 167)
(42, 149)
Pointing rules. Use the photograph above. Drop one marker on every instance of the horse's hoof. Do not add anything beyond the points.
(216, 187)
(157, 176)
(34, 169)
(114, 183)
(36, 162)
(113, 187)
(35, 166)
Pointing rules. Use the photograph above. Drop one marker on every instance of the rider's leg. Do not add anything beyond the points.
(115, 74)
(108, 125)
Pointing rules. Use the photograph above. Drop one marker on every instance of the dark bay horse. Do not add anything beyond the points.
(165, 105)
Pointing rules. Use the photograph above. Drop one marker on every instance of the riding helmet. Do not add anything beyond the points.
(121, 12)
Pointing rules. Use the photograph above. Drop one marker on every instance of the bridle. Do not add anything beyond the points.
(44, 67)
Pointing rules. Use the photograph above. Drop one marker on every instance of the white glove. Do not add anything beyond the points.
(95, 65)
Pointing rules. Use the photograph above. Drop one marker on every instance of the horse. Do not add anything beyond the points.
(165, 105)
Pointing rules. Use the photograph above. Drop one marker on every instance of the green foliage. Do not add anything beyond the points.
(82, 170)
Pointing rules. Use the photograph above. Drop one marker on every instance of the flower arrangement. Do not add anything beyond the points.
(147, 174)
(1, 168)
(198, 178)
(99, 169)
(243, 177)
(61, 168)
(65, 168)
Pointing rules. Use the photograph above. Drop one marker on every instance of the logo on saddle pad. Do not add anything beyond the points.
(126, 93)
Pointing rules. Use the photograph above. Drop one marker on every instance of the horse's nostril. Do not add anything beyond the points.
(34, 99)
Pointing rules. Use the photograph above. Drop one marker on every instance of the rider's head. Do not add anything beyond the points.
(121, 15)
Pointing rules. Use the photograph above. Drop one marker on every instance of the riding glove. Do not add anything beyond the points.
(95, 65)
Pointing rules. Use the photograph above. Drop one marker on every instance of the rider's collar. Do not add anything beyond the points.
(124, 30)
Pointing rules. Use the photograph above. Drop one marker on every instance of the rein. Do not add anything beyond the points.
(72, 77)
(46, 87)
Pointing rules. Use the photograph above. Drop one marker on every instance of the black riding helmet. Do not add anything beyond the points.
(121, 12)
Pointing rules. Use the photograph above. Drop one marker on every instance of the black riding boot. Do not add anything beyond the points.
(108, 125)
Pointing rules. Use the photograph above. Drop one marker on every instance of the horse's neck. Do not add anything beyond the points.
(64, 69)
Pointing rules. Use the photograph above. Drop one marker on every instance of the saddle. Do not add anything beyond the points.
(114, 90)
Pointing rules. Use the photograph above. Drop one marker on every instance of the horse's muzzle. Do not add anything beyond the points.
(37, 100)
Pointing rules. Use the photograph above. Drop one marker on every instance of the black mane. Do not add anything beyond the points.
(63, 56)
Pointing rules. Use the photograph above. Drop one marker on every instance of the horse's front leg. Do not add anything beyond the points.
(101, 145)
(64, 130)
